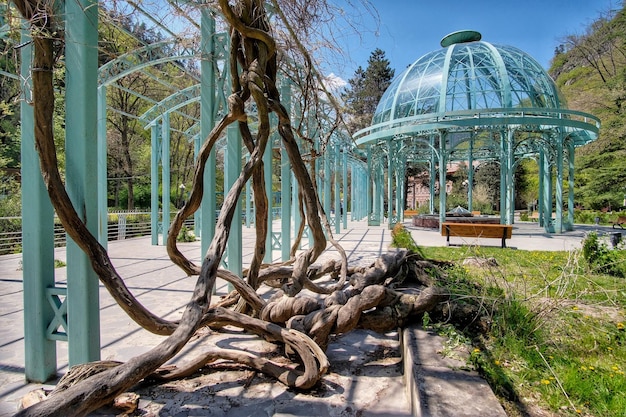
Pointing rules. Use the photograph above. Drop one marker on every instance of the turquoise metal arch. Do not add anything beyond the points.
(139, 58)
(171, 103)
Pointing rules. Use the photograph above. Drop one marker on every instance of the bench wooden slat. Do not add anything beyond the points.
(496, 231)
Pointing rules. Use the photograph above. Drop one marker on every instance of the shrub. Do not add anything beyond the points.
(185, 235)
(601, 258)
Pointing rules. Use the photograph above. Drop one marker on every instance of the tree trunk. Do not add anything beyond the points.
(366, 303)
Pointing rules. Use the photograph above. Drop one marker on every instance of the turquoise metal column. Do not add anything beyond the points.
(354, 187)
(197, 216)
(207, 121)
(369, 186)
(165, 174)
(442, 177)
(570, 179)
(503, 176)
(285, 182)
(81, 56)
(337, 190)
(285, 205)
(390, 184)
(433, 175)
(540, 202)
(318, 168)
(470, 175)
(294, 205)
(396, 178)
(365, 194)
(547, 195)
(510, 177)
(381, 192)
(558, 221)
(103, 216)
(375, 219)
(399, 175)
(40, 353)
(248, 201)
(267, 172)
(232, 171)
(327, 179)
(344, 181)
(154, 183)
(356, 192)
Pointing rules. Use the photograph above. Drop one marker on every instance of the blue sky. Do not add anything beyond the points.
(410, 28)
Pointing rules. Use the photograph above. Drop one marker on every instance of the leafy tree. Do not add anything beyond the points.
(488, 175)
(590, 69)
(365, 90)
(9, 105)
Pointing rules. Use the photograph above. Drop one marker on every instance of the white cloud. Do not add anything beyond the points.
(334, 83)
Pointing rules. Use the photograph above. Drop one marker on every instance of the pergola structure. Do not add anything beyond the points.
(70, 312)
(474, 101)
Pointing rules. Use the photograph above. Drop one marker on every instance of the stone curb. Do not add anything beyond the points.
(439, 386)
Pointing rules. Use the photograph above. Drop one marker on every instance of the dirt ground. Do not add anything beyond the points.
(365, 379)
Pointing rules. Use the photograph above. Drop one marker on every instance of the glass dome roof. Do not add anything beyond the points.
(466, 75)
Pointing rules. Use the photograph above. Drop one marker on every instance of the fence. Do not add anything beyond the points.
(121, 225)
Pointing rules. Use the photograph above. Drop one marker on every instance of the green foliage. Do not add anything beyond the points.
(142, 195)
(488, 175)
(590, 70)
(9, 99)
(365, 90)
(553, 335)
(185, 235)
(10, 197)
(603, 259)
(401, 238)
(9, 135)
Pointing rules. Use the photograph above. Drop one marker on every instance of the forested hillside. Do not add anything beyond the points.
(590, 70)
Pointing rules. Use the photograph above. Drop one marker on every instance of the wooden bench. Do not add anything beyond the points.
(621, 220)
(534, 217)
(496, 231)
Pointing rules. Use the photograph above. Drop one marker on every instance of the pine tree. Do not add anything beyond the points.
(365, 90)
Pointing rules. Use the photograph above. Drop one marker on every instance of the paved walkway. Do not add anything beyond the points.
(151, 277)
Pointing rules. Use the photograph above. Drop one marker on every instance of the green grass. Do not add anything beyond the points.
(556, 335)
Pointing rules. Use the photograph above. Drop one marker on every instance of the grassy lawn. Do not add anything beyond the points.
(554, 337)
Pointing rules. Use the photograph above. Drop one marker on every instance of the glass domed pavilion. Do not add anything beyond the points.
(472, 102)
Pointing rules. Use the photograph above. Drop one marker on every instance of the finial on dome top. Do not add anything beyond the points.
(460, 36)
